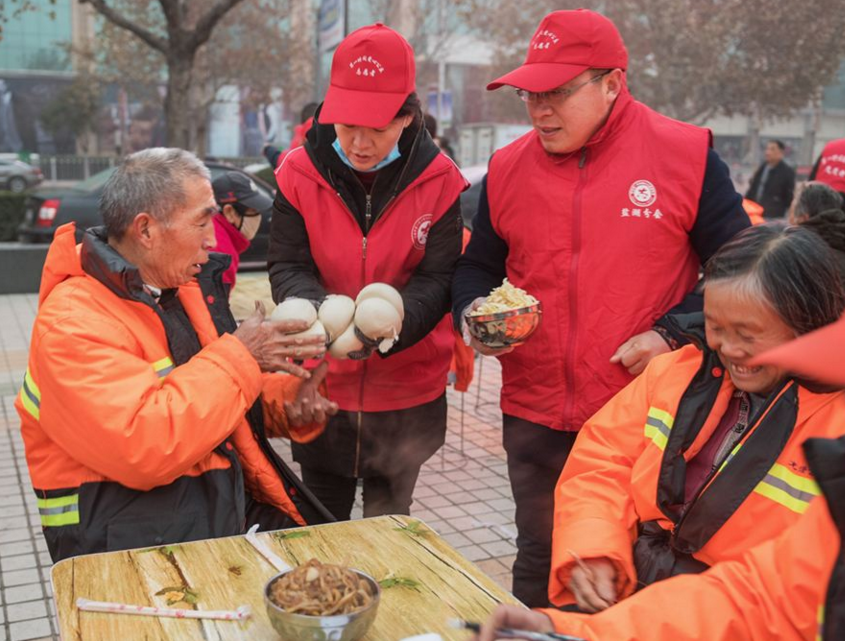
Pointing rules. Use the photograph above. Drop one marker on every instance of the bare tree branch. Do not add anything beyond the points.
(114, 17)
(207, 22)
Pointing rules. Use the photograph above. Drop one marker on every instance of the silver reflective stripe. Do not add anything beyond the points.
(660, 425)
(786, 487)
(47, 511)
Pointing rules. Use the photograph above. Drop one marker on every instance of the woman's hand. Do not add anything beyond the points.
(510, 616)
(593, 583)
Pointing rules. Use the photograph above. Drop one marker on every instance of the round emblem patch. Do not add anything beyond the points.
(642, 193)
(419, 232)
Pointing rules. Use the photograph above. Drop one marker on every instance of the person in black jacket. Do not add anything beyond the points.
(773, 183)
(370, 198)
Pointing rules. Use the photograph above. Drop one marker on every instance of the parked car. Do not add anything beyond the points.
(48, 209)
(18, 176)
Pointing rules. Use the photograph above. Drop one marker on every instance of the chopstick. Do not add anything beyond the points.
(510, 633)
(87, 605)
(271, 557)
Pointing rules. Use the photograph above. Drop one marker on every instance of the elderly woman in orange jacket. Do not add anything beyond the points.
(789, 589)
(699, 458)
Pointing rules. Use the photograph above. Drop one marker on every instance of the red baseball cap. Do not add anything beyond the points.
(373, 72)
(819, 355)
(566, 44)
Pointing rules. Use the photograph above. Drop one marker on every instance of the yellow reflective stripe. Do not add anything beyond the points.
(30, 396)
(59, 501)
(58, 511)
(820, 632)
(163, 367)
(730, 456)
(801, 483)
(658, 425)
(788, 489)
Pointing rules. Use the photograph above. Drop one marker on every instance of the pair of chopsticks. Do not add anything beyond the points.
(240, 614)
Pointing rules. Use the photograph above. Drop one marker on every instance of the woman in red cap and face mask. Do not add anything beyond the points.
(369, 198)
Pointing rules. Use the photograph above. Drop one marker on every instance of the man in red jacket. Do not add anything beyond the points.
(604, 212)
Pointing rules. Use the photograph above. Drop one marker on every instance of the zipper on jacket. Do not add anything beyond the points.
(569, 353)
(360, 421)
(746, 433)
(368, 214)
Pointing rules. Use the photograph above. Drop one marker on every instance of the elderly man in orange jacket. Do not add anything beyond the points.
(145, 410)
(789, 589)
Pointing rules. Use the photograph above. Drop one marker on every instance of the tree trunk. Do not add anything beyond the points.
(177, 107)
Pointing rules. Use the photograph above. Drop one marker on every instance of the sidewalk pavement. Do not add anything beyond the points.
(463, 491)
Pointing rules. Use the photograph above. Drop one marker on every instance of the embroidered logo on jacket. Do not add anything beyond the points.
(643, 194)
(419, 232)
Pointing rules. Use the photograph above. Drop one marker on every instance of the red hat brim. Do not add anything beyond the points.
(360, 108)
(819, 355)
(539, 76)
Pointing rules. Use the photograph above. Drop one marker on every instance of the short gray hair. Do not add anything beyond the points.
(152, 181)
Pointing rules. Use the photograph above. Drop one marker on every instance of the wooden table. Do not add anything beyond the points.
(229, 572)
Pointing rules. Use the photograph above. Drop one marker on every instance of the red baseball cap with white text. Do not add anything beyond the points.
(373, 72)
(566, 44)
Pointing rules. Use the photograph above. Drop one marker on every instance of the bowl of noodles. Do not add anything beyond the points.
(321, 602)
(506, 319)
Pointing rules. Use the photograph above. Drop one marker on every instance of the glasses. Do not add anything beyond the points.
(555, 96)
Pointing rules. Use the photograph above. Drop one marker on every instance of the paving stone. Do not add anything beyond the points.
(21, 577)
(482, 535)
(26, 630)
(23, 593)
(14, 535)
(487, 494)
(474, 553)
(499, 548)
(456, 539)
(19, 547)
(475, 508)
(450, 512)
(436, 501)
(19, 562)
(27, 610)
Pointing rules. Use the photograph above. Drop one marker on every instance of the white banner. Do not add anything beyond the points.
(331, 24)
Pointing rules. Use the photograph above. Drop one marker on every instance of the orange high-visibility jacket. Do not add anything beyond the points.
(777, 590)
(124, 448)
(618, 478)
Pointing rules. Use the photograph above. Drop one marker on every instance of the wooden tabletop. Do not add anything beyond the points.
(432, 582)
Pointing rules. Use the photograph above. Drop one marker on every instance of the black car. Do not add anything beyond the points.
(47, 209)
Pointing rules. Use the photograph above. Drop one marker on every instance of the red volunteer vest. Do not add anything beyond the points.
(391, 251)
(831, 169)
(600, 237)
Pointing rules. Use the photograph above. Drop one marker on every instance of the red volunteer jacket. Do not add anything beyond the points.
(389, 253)
(601, 238)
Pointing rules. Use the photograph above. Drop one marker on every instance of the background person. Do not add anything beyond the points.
(145, 411)
(370, 198)
(603, 212)
(773, 183)
(242, 208)
(818, 207)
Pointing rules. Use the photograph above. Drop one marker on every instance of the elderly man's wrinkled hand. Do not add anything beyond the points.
(310, 406)
(510, 616)
(271, 344)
